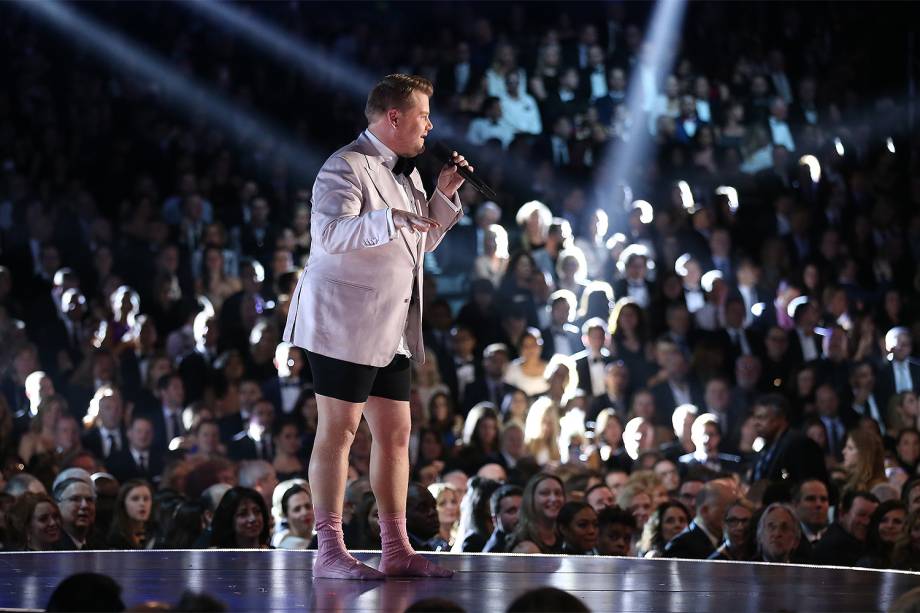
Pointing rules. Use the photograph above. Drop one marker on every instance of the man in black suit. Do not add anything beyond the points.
(258, 237)
(561, 336)
(787, 456)
(734, 339)
(255, 442)
(616, 392)
(235, 325)
(108, 436)
(489, 387)
(77, 502)
(284, 390)
(833, 367)
(679, 388)
(701, 538)
(731, 410)
(139, 460)
(167, 418)
(633, 264)
(837, 419)
(197, 366)
(805, 345)
(706, 436)
(901, 373)
(863, 399)
(844, 543)
(591, 363)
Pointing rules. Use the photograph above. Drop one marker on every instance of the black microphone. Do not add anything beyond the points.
(445, 153)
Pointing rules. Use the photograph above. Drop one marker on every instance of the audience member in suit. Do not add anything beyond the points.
(701, 538)
(108, 436)
(489, 386)
(682, 423)
(706, 436)
(255, 442)
(505, 507)
(64, 339)
(900, 373)
(776, 363)
(845, 540)
(833, 367)
(197, 366)
(258, 237)
(77, 502)
(134, 361)
(140, 459)
(462, 365)
(805, 345)
(679, 387)
(561, 336)
(721, 402)
(591, 364)
(787, 456)
(237, 315)
(248, 394)
(837, 419)
(616, 392)
(863, 399)
(734, 339)
(284, 390)
(167, 418)
(633, 265)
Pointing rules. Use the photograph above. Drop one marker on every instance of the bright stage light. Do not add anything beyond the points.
(889, 142)
(646, 213)
(838, 146)
(814, 167)
(731, 194)
(686, 196)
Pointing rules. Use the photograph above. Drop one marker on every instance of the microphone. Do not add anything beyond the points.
(445, 153)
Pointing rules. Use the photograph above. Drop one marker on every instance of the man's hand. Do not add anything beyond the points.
(449, 181)
(413, 222)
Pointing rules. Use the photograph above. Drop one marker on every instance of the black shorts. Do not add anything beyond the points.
(356, 382)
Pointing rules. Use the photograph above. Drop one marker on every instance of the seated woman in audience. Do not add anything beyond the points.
(902, 412)
(207, 440)
(886, 526)
(668, 520)
(493, 262)
(906, 553)
(636, 500)
(609, 451)
(528, 372)
(515, 406)
(536, 531)
(37, 446)
(240, 521)
(480, 439)
(907, 450)
(578, 528)
(288, 443)
(629, 340)
(132, 526)
(476, 524)
(863, 460)
(34, 523)
(541, 432)
(297, 512)
(447, 502)
(443, 419)
(738, 532)
(430, 450)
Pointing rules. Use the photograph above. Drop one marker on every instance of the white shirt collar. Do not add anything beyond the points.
(389, 156)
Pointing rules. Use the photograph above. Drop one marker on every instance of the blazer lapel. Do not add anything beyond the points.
(386, 187)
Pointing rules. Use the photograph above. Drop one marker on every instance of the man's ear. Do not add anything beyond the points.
(393, 116)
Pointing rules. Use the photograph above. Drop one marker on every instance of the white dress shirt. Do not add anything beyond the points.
(809, 348)
(902, 378)
(522, 114)
(108, 438)
(781, 134)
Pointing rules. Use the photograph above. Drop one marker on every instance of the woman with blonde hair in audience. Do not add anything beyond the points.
(635, 499)
(863, 460)
(38, 443)
(528, 372)
(534, 218)
(902, 412)
(541, 431)
(536, 530)
(652, 485)
(447, 501)
(493, 263)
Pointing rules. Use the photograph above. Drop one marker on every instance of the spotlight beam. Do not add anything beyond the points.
(182, 92)
(312, 60)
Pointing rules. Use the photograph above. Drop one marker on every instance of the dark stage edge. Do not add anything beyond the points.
(281, 580)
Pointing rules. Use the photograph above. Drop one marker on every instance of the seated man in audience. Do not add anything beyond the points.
(421, 517)
(139, 460)
(810, 500)
(77, 502)
(845, 540)
(778, 534)
(505, 506)
(600, 497)
(706, 436)
(704, 534)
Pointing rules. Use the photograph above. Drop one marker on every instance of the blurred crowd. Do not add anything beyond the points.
(712, 358)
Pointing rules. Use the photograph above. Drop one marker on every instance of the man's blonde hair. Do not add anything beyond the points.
(395, 91)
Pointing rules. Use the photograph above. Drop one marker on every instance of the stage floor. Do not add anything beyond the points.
(281, 580)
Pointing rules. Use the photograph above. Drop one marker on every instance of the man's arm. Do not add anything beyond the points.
(337, 203)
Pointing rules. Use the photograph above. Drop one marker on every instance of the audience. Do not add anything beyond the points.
(735, 319)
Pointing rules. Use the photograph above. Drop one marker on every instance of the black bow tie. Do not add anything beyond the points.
(404, 166)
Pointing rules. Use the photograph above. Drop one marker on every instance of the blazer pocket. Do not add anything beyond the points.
(345, 310)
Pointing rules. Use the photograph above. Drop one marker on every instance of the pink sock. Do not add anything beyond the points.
(398, 559)
(332, 560)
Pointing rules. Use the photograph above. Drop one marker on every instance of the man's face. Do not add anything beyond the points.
(616, 480)
(826, 401)
(595, 338)
(513, 442)
(766, 424)
(110, 411)
(263, 414)
(856, 521)
(412, 125)
(717, 395)
(863, 377)
(903, 347)
(495, 364)
(250, 393)
(600, 498)
(560, 312)
(613, 540)
(78, 507)
(508, 510)
(140, 434)
(421, 513)
(174, 394)
(813, 505)
(736, 524)
(687, 494)
(778, 539)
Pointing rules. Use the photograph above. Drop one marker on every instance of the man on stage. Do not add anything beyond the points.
(356, 311)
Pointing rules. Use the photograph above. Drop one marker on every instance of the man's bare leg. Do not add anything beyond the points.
(338, 421)
(390, 424)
